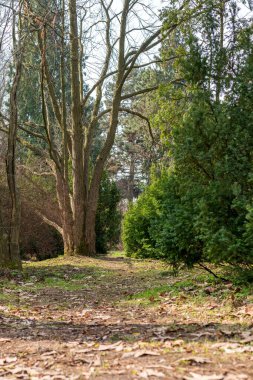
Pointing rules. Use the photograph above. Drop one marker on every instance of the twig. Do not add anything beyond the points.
(214, 274)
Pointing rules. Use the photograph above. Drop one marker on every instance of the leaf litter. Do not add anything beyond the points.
(113, 324)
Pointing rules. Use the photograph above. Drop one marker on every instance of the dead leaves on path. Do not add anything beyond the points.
(99, 333)
(8, 360)
(194, 360)
(229, 376)
(232, 348)
(139, 354)
(149, 372)
(196, 376)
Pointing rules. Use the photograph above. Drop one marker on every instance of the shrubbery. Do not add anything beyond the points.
(182, 226)
(201, 207)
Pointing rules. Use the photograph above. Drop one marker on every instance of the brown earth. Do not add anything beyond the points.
(116, 318)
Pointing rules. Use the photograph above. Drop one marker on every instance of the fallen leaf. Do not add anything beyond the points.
(242, 349)
(107, 347)
(247, 337)
(97, 361)
(8, 360)
(49, 353)
(196, 376)
(194, 360)
(236, 376)
(146, 373)
(168, 368)
(139, 353)
(4, 340)
(86, 313)
(177, 342)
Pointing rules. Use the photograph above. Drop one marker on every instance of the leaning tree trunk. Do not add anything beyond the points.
(13, 255)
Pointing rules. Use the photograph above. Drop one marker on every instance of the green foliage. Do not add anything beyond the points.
(200, 209)
(158, 224)
(108, 216)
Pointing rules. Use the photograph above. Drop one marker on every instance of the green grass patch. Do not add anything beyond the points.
(6, 298)
(53, 282)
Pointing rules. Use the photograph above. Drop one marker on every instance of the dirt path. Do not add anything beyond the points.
(116, 318)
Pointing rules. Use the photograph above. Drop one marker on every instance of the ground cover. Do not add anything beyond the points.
(113, 317)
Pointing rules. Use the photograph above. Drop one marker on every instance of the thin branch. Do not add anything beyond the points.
(49, 81)
(49, 222)
(23, 142)
(211, 272)
(140, 92)
(135, 113)
(35, 134)
(41, 174)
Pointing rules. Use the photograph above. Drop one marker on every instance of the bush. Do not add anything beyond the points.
(200, 208)
(186, 227)
(160, 225)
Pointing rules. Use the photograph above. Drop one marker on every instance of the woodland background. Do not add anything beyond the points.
(106, 109)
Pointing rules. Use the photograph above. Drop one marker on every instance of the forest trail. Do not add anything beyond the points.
(113, 317)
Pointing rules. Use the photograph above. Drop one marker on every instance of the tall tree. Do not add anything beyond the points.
(69, 37)
(10, 255)
(200, 208)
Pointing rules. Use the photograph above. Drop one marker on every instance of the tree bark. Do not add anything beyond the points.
(14, 260)
(89, 235)
(77, 130)
(67, 222)
(78, 201)
(4, 249)
(131, 178)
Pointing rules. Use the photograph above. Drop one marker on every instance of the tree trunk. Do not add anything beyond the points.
(14, 260)
(89, 239)
(77, 130)
(131, 179)
(89, 234)
(67, 222)
(4, 249)
(78, 205)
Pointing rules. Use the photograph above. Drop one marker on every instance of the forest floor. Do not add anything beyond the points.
(113, 317)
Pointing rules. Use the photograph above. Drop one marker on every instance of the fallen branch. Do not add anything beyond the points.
(214, 274)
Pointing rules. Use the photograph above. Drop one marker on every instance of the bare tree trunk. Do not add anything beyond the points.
(4, 249)
(89, 235)
(79, 205)
(130, 194)
(77, 130)
(89, 238)
(14, 229)
(67, 222)
(221, 59)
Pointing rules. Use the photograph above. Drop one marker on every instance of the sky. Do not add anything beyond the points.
(148, 12)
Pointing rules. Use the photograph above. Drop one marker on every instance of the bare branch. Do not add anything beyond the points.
(49, 222)
(140, 92)
(35, 134)
(135, 113)
(39, 174)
